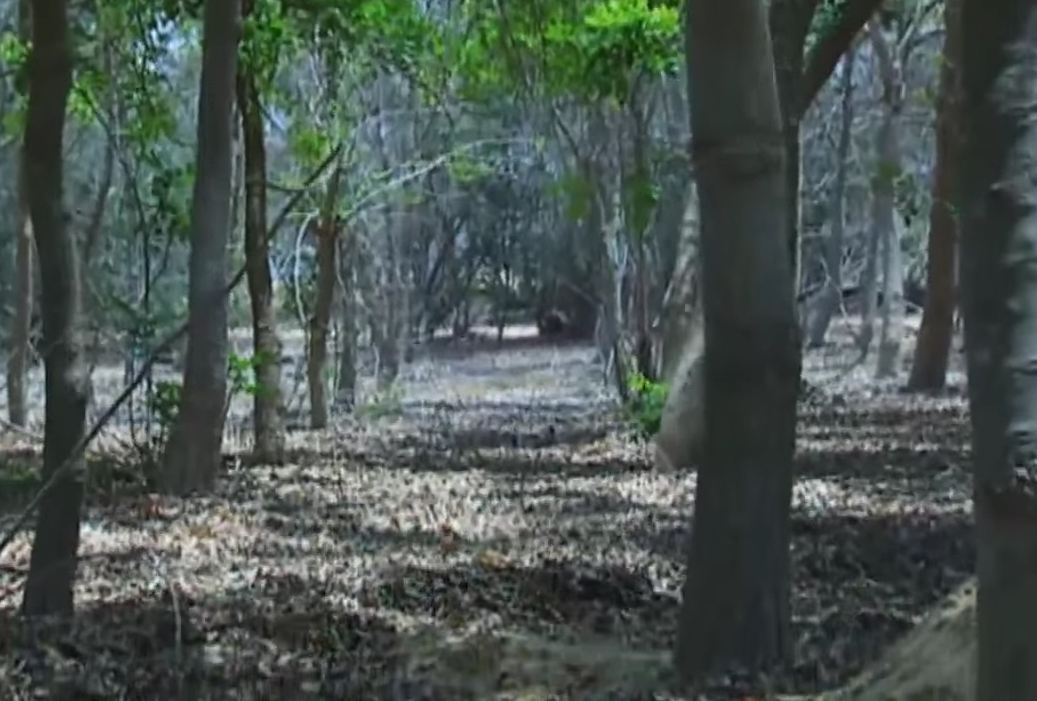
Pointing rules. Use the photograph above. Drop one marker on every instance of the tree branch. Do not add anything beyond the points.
(825, 54)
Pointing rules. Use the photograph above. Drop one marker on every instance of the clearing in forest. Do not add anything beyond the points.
(496, 533)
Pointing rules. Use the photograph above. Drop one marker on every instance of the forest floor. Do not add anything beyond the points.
(495, 531)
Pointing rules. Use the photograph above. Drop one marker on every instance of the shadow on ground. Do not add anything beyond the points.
(276, 640)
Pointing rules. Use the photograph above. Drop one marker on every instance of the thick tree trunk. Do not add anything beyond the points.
(831, 295)
(736, 597)
(193, 454)
(799, 81)
(932, 351)
(999, 281)
(891, 329)
(268, 420)
(21, 331)
(52, 566)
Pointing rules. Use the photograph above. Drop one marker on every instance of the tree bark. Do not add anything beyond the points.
(345, 389)
(192, 458)
(891, 329)
(999, 281)
(52, 566)
(932, 350)
(320, 320)
(789, 21)
(267, 412)
(800, 77)
(831, 296)
(736, 597)
(21, 332)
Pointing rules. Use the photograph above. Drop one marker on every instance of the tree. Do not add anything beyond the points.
(267, 416)
(801, 74)
(929, 368)
(832, 292)
(326, 232)
(192, 457)
(884, 213)
(18, 361)
(999, 281)
(736, 596)
(52, 565)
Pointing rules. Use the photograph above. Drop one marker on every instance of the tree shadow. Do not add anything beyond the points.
(585, 598)
(278, 638)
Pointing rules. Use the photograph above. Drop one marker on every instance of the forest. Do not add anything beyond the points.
(466, 349)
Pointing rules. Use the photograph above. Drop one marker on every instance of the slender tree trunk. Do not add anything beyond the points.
(891, 329)
(320, 321)
(999, 281)
(21, 333)
(52, 566)
(396, 319)
(932, 351)
(193, 453)
(789, 21)
(346, 388)
(868, 287)
(736, 597)
(831, 296)
(267, 412)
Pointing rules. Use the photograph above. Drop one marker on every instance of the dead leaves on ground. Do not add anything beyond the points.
(508, 543)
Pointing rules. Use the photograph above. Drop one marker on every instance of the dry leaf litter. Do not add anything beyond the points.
(502, 536)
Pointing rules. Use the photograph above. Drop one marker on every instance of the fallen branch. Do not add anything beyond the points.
(149, 363)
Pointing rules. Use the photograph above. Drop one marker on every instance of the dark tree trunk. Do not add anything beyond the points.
(999, 282)
(736, 597)
(52, 567)
(193, 454)
(929, 368)
(267, 415)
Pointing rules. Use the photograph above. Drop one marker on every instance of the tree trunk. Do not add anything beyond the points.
(999, 280)
(52, 566)
(868, 284)
(266, 346)
(21, 333)
(884, 191)
(789, 21)
(192, 457)
(736, 597)
(932, 350)
(317, 354)
(831, 295)
(799, 81)
(345, 390)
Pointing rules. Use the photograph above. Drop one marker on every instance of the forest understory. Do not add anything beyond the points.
(500, 534)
